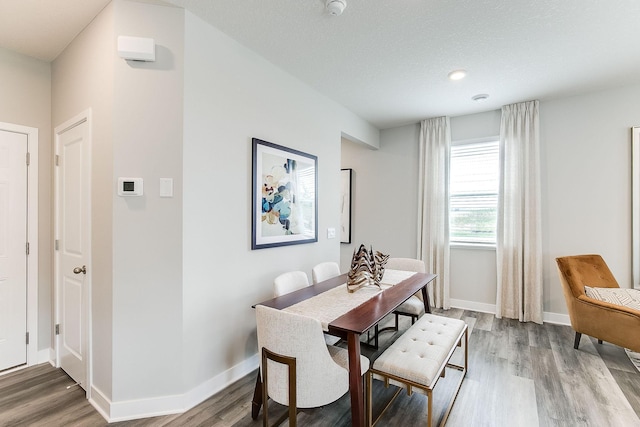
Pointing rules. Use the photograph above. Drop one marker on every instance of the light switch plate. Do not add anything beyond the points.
(166, 187)
(331, 233)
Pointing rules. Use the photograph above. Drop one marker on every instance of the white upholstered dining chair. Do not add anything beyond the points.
(298, 369)
(325, 271)
(292, 281)
(319, 273)
(289, 282)
(414, 306)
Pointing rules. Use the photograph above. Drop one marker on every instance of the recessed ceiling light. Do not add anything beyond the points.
(457, 75)
(481, 97)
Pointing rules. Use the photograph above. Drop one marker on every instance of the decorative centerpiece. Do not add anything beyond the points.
(366, 269)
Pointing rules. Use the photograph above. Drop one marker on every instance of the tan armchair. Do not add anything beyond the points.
(616, 324)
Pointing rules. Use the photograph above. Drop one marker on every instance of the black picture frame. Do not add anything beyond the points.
(284, 196)
(635, 206)
(346, 187)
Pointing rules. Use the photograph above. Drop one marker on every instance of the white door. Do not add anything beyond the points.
(13, 249)
(73, 247)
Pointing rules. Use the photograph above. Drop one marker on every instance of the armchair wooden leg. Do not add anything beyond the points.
(576, 342)
(293, 407)
(256, 403)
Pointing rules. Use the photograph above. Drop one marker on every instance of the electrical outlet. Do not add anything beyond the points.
(331, 233)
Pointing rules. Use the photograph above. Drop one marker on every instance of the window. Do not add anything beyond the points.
(473, 192)
(306, 198)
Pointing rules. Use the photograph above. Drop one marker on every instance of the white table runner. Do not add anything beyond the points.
(329, 305)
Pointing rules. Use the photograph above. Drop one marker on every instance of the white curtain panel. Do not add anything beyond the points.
(433, 205)
(519, 243)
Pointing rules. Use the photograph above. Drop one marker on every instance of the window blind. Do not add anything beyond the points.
(306, 194)
(473, 192)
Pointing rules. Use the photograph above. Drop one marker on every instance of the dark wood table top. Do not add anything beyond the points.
(366, 315)
(305, 293)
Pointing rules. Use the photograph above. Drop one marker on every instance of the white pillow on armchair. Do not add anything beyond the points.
(618, 296)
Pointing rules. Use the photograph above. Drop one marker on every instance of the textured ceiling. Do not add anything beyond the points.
(387, 60)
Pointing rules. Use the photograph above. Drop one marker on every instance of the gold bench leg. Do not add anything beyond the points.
(429, 408)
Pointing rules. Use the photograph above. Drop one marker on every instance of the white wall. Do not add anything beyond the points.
(25, 85)
(231, 96)
(385, 194)
(137, 242)
(147, 231)
(586, 158)
(586, 191)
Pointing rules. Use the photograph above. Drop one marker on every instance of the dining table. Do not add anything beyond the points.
(350, 320)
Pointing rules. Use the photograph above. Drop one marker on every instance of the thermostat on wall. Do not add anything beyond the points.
(130, 187)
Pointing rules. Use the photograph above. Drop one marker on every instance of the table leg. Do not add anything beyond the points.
(256, 402)
(356, 389)
(425, 299)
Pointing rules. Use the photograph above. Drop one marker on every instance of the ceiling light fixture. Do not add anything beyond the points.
(481, 97)
(457, 75)
(336, 7)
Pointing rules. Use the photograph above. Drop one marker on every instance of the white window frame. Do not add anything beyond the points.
(471, 245)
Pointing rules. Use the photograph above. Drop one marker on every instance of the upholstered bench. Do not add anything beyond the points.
(418, 359)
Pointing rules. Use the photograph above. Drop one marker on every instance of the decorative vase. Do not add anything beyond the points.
(366, 269)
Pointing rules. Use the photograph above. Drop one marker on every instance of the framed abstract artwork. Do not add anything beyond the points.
(284, 196)
(345, 205)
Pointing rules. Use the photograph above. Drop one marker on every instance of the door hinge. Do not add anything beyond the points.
(56, 244)
(27, 248)
(28, 159)
(57, 328)
(57, 160)
(27, 338)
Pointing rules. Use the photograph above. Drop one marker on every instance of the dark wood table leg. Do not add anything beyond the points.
(356, 388)
(256, 403)
(425, 300)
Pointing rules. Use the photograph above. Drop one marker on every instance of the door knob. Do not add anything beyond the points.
(79, 270)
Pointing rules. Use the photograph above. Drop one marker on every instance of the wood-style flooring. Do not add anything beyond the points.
(520, 374)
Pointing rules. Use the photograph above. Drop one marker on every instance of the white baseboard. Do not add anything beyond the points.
(99, 401)
(139, 408)
(473, 306)
(44, 356)
(547, 317)
(218, 383)
(557, 318)
(165, 405)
